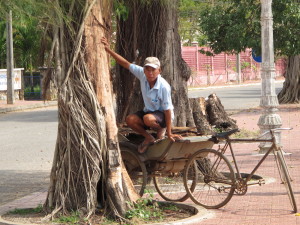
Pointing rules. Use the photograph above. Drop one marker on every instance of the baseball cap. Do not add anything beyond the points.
(152, 62)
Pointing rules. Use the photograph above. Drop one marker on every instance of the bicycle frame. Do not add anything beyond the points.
(273, 148)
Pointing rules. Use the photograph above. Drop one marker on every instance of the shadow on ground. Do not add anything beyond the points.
(17, 184)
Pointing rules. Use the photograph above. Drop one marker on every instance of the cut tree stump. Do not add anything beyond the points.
(217, 115)
(198, 107)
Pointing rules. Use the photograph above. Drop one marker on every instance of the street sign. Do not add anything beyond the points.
(17, 79)
(255, 57)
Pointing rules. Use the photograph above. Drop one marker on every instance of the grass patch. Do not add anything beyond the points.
(146, 209)
(244, 133)
(74, 218)
(38, 209)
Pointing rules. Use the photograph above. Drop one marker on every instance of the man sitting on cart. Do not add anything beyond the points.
(158, 111)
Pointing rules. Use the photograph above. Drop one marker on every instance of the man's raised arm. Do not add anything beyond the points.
(119, 59)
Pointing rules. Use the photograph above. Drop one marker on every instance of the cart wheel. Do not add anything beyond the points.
(136, 169)
(215, 178)
(171, 187)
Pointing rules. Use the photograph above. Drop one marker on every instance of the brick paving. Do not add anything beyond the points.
(266, 204)
(269, 203)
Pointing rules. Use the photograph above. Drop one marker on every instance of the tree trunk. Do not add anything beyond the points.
(290, 92)
(198, 106)
(217, 115)
(87, 157)
(151, 30)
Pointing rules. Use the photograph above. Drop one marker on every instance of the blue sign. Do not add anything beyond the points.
(255, 57)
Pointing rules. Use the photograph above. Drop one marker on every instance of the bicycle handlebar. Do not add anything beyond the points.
(274, 129)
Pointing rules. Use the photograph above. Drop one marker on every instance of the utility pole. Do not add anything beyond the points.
(269, 102)
(10, 61)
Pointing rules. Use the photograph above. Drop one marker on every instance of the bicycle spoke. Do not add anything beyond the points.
(215, 182)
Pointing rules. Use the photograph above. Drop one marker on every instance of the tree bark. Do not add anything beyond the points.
(87, 157)
(152, 30)
(198, 106)
(290, 92)
(217, 115)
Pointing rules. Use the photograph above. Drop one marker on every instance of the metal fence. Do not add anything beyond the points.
(32, 85)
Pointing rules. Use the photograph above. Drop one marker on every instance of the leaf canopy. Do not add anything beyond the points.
(234, 26)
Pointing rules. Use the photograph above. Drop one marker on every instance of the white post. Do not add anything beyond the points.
(269, 102)
(238, 68)
(10, 61)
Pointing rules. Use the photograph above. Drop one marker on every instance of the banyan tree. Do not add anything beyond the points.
(87, 161)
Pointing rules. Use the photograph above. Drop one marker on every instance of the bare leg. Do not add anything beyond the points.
(137, 124)
(151, 122)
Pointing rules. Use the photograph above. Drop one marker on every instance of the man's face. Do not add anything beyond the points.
(151, 73)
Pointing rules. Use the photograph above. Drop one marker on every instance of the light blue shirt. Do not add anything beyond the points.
(156, 98)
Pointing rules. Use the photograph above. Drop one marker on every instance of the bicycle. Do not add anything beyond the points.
(218, 180)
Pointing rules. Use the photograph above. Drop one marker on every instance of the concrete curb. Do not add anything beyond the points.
(200, 214)
(229, 85)
(28, 201)
(29, 106)
(36, 198)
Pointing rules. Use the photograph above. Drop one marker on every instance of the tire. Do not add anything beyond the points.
(215, 179)
(171, 187)
(286, 179)
(136, 169)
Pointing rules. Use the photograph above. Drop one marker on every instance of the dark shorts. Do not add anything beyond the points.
(160, 117)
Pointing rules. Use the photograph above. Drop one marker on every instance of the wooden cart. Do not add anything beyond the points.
(162, 165)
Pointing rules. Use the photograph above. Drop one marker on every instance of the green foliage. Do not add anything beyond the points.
(28, 17)
(74, 218)
(235, 25)
(286, 14)
(188, 27)
(27, 37)
(121, 10)
(38, 209)
(36, 94)
(2, 44)
(144, 209)
(231, 27)
(244, 133)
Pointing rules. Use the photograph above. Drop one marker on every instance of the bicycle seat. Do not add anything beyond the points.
(225, 134)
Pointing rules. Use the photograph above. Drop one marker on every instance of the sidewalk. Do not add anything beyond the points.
(269, 203)
(24, 104)
(262, 205)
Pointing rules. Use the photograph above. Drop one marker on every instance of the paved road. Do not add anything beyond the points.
(28, 141)
(27, 146)
(235, 98)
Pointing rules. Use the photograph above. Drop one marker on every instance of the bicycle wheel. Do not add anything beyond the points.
(286, 179)
(171, 187)
(215, 179)
(136, 169)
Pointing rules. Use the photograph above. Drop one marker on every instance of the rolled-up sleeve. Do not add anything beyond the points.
(137, 71)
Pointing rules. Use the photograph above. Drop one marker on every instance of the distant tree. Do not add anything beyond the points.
(2, 44)
(27, 31)
(234, 25)
(188, 21)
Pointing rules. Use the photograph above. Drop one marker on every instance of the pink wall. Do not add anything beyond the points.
(221, 68)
